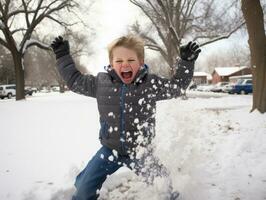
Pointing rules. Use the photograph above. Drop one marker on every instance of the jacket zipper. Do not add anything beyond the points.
(122, 118)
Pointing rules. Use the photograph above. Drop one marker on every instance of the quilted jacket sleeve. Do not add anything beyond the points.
(171, 88)
(76, 82)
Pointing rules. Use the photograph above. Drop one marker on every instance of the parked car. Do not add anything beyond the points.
(28, 91)
(227, 87)
(204, 87)
(34, 89)
(242, 86)
(218, 87)
(55, 88)
(7, 91)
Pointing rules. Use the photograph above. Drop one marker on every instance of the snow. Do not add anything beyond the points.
(213, 147)
(226, 71)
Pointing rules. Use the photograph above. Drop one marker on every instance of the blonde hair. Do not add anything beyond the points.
(129, 41)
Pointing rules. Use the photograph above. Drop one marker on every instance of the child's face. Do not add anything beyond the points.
(125, 63)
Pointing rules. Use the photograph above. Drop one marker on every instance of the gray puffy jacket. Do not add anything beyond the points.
(127, 111)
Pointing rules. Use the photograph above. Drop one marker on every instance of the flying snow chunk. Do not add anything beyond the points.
(136, 120)
(116, 129)
(115, 153)
(110, 130)
(102, 156)
(152, 81)
(187, 71)
(111, 158)
(111, 114)
(141, 101)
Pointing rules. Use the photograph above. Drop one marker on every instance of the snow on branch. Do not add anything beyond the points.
(33, 42)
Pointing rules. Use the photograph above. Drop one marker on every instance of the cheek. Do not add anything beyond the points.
(136, 67)
(116, 67)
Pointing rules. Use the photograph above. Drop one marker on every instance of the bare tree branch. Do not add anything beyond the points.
(39, 44)
(26, 13)
(64, 24)
(17, 30)
(223, 36)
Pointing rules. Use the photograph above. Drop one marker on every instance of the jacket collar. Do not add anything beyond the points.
(143, 71)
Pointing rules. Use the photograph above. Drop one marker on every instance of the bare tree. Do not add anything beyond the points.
(253, 14)
(7, 74)
(174, 20)
(40, 66)
(34, 13)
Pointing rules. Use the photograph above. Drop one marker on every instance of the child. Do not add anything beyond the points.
(126, 95)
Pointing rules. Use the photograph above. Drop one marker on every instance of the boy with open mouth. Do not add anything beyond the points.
(126, 96)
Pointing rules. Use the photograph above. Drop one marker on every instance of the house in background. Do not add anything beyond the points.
(201, 78)
(222, 74)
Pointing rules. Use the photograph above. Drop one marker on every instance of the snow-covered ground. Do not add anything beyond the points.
(214, 148)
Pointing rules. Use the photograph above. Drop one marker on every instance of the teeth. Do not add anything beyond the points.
(128, 70)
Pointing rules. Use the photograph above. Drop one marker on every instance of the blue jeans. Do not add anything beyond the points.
(102, 164)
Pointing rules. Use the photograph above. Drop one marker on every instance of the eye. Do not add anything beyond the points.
(118, 61)
(131, 60)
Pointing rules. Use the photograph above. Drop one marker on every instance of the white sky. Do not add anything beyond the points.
(111, 20)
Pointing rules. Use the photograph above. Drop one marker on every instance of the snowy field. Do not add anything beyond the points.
(214, 148)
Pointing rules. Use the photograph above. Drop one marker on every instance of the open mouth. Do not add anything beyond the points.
(127, 74)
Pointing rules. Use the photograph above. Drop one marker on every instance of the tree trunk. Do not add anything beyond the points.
(253, 15)
(19, 72)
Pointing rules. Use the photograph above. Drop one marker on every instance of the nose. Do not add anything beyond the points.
(125, 64)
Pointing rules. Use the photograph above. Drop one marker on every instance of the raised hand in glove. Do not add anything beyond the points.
(190, 51)
(60, 47)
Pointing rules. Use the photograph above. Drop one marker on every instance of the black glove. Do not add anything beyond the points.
(190, 52)
(60, 47)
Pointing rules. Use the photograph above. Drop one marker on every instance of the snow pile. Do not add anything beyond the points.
(213, 147)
